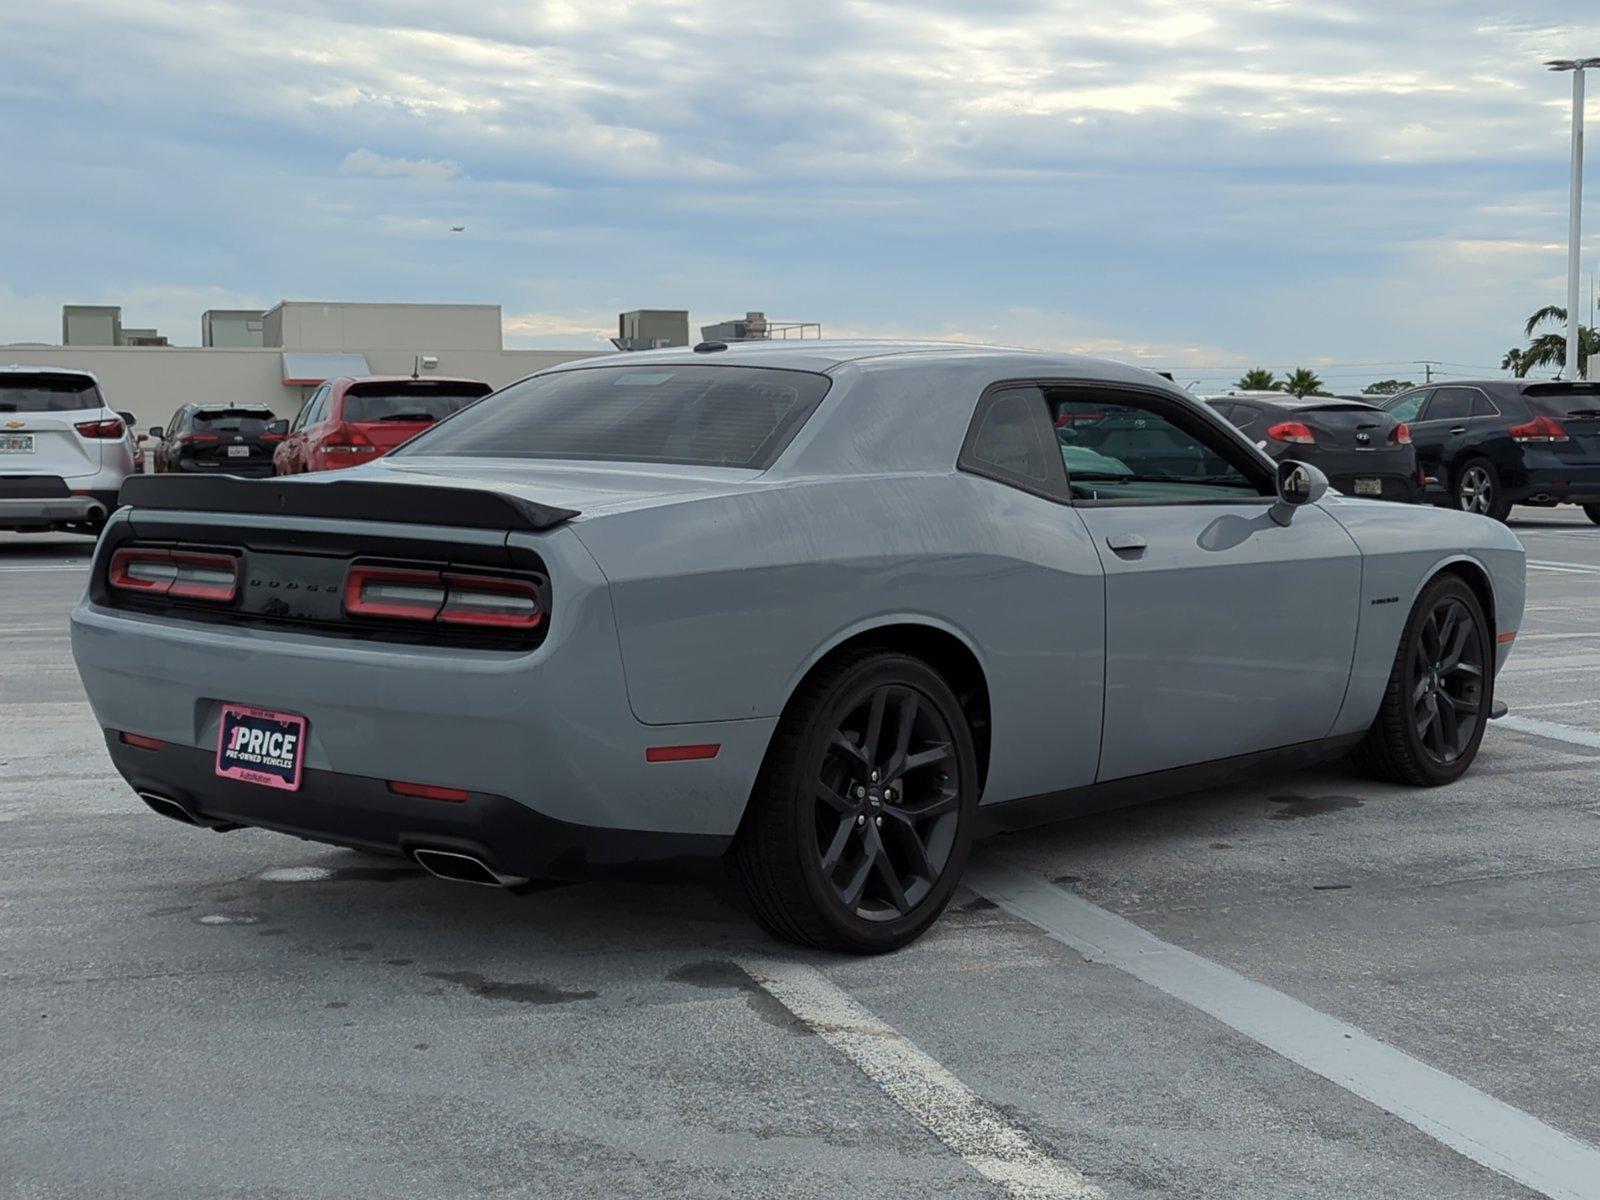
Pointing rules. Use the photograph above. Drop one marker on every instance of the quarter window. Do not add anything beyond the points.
(1009, 443)
(1451, 404)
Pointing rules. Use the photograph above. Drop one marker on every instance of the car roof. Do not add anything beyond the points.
(812, 354)
(347, 380)
(29, 369)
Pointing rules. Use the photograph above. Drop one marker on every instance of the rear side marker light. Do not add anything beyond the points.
(140, 741)
(1505, 639)
(443, 596)
(101, 429)
(658, 754)
(428, 791)
(1541, 429)
(178, 574)
(1401, 434)
(1292, 431)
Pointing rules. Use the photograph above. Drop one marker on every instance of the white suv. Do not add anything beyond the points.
(63, 452)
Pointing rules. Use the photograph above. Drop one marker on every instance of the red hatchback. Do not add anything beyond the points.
(348, 420)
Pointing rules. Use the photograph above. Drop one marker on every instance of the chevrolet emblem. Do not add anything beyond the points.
(13, 424)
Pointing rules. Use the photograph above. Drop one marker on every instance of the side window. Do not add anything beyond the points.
(176, 426)
(1482, 406)
(1408, 406)
(1009, 441)
(308, 411)
(1232, 413)
(1135, 449)
(1450, 404)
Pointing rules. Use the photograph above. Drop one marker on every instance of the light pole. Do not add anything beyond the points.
(1575, 219)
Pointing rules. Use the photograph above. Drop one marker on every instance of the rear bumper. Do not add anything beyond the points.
(1545, 475)
(42, 501)
(361, 812)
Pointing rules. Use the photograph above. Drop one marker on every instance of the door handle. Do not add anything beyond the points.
(1126, 543)
(1459, 429)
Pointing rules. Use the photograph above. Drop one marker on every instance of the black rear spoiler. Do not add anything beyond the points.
(350, 499)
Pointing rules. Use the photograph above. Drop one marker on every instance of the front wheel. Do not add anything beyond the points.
(1592, 511)
(861, 820)
(1440, 690)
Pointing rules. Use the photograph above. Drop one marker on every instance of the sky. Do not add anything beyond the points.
(1199, 186)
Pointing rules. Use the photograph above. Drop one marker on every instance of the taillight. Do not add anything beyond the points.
(1400, 435)
(113, 428)
(177, 574)
(1292, 431)
(196, 439)
(345, 440)
(1540, 429)
(411, 595)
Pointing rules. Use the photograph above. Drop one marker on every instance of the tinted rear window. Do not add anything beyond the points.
(249, 422)
(45, 392)
(1565, 399)
(424, 400)
(698, 415)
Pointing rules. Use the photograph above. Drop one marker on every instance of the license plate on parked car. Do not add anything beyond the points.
(238, 451)
(258, 745)
(1369, 487)
(16, 443)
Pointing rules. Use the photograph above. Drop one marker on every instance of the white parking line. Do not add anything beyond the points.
(1565, 568)
(1470, 1122)
(1587, 738)
(949, 1110)
(49, 567)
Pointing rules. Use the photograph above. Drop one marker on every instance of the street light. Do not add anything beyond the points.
(1577, 66)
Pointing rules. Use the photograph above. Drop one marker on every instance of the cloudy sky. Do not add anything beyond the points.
(1199, 184)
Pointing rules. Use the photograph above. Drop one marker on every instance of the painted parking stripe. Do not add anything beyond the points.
(1569, 568)
(946, 1107)
(1571, 734)
(48, 567)
(1470, 1122)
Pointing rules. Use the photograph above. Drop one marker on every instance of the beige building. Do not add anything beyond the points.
(304, 343)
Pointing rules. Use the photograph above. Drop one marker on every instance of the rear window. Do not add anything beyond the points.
(698, 415)
(1565, 400)
(46, 392)
(251, 422)
(425, 400)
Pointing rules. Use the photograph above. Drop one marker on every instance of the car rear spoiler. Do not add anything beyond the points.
(351, 499)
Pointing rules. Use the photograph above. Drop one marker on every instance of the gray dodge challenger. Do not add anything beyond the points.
(826, 611)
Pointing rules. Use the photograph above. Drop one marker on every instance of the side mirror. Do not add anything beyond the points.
(155, 432)
(1298, 484)
(279, 427)
(128, 418)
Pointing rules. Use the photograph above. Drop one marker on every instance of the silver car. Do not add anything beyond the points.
(827, 611)
(64, 452)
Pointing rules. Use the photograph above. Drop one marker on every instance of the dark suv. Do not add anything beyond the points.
(1498, 442)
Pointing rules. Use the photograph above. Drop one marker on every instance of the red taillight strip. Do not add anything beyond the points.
(1296, 432)
(482, 600)
(444, 596)
(139, 740)
(388, 592)
(659, 754)
(428, 791)
(182, 574)
(113, 428)
(1540, 429)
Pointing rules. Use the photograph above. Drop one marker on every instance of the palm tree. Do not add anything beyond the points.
(1549, 349)
(1257, 379)
(1303, 381)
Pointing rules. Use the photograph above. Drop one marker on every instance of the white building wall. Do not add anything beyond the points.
(416, 328)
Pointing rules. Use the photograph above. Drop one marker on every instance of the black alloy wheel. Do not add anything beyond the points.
(859, 825)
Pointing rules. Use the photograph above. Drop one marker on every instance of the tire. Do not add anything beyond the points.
(1477, 490)
(822, 830)
(1404, 745)
(1592, 511)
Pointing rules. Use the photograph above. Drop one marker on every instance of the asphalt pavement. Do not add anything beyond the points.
(1308, 986)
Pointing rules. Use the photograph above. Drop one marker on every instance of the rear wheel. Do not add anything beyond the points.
(860, 823)
(1478, 490)
(1592, 511)
(1440, 689)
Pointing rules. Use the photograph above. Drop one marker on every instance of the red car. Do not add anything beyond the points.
(349, 420)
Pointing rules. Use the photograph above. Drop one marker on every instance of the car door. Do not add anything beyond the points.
(294, 446)
(1440, 429)
(169, 440)
(1226, 633)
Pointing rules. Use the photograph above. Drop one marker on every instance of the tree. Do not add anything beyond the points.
(1303, 381)
(1387, 387)
(1258, 379)
(1549, 349)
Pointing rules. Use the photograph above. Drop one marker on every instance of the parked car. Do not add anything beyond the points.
(1499, 442)
(827, 610)
(352, 420)
(63, 452)
(232, 439)
(1363, 450)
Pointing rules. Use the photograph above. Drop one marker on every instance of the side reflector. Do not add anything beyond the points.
(1506, 638)
(427, 791)
(657, 754)
(139, 740)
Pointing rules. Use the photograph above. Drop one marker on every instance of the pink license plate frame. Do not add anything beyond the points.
(261, 746)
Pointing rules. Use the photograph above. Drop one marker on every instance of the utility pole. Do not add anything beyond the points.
(1575, 218)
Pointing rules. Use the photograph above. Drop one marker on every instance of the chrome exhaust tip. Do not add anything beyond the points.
(463, 868)
(178, 811)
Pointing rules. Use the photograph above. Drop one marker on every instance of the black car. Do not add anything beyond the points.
(1499, 442)
(222, 439)
(1363, 450)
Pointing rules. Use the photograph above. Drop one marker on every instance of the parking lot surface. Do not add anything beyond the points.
(247, 1015)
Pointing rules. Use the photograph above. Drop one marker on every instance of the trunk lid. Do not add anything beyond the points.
(1348, 426)
(1577, 407)
(46, 443)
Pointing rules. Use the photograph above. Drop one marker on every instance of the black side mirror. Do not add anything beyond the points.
(279, 426)
(155, 432)
(128, 418)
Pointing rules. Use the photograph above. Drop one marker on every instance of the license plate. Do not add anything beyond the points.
(258, 745)
(238, 451)
(1369, 487)
(16, 443)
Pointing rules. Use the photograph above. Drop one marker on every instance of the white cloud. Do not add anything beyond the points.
(418, 170)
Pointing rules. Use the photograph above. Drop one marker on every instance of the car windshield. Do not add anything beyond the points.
(46, 392)
(251, 422)
(714, 416)
(422, 400)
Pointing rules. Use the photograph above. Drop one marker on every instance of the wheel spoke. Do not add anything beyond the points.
(869, 743)
(916, 850)
(1427, 717)
(938, 806)
(851, 892)
(841, 838)
(848, 750)
(1430, 638)
(887, 874)
(913, 762)
(832, 798)
(1449, 726)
